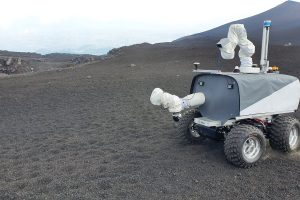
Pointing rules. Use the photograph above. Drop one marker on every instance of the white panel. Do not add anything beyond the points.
(285, 99)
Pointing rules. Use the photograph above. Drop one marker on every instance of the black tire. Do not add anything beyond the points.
(280, 131)
(237, 142)
(185, 127)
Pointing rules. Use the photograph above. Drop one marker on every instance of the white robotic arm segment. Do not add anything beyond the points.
(247, 50)
(192, 100)
(173, 102)
(166, 100)
(155, 98)
(170, 101)
(236, 32)
(246, 62)
(227, 48)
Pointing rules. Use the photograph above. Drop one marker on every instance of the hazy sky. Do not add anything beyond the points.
(89, 25)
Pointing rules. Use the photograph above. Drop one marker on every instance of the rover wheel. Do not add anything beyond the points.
(186, 128)
(284, 134)
(244, 146)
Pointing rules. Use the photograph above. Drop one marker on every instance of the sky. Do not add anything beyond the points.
(95, 26)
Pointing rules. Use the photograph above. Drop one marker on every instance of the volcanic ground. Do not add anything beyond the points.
(91, 133)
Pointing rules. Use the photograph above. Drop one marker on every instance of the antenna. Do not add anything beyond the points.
(264, 63)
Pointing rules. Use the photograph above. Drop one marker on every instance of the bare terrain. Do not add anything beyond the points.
(91, 133)
(22, 62)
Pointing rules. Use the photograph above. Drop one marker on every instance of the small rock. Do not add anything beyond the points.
(89, 77)
(9, 61)
(132, 65)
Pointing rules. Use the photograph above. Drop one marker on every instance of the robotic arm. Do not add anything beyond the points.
(237, 35)
(173, 102)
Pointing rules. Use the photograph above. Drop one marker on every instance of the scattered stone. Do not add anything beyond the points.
(19, 61)
(89, 77)
(82, 60)
(288, 44)
(10, 65)
(115, 52)
(9, 61)
(132, 65)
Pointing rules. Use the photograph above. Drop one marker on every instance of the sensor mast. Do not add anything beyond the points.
(264, 63)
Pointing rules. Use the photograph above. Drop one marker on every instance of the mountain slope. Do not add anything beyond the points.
(285, 27)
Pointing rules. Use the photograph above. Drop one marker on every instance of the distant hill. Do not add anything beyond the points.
(285, 27)
(23, 62)
(86, 49)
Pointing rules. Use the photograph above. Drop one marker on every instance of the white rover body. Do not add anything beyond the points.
(244, 108)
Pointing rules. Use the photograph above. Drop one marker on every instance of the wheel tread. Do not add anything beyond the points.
(279, 132)
(233, 141)
(182, 126)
